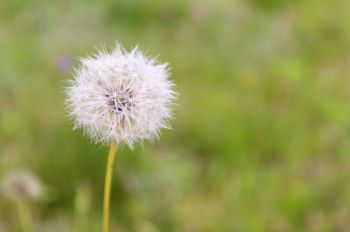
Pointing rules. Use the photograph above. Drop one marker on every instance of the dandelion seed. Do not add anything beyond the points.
(121, 97)
(21, 185)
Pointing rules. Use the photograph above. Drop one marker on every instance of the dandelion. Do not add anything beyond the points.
(120, 97)
(21, 187)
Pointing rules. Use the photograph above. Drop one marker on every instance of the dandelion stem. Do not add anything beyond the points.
(24, 216)
(107, 190)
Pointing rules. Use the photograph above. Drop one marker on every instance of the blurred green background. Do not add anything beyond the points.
(261, 138)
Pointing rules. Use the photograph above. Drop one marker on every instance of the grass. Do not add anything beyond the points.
(260, 139)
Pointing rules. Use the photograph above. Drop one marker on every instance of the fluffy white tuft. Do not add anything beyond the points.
(121, 97)
(21, 185)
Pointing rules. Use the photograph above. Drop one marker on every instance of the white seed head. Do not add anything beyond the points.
(21, 185)
(121, 97)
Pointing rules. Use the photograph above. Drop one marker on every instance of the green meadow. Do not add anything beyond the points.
(260, 139)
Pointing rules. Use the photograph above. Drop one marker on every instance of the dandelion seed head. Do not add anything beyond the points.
(120, 96)
(21, 185)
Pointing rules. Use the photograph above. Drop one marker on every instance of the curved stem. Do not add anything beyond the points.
(107, 190)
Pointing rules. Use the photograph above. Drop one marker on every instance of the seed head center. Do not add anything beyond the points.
(120, 101)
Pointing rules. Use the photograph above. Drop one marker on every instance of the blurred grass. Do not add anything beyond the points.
(260, 139)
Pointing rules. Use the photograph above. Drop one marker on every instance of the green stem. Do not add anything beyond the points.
(107, 190)
(24, 216)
